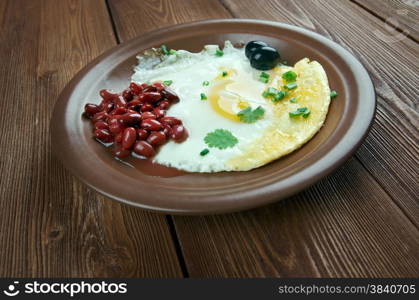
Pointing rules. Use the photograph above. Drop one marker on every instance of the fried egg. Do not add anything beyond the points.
(213, 90)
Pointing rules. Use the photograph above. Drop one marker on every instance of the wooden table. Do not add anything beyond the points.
(362, 221)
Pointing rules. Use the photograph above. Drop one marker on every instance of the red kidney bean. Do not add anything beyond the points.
(159, 113)
(120, 101)
(164, 104)
(134, 103)
(167, 130)
(101, 125)
(103, 135)
(130, 118)
(151, 97)
(120, 152)
(148, 115)
(156, 138)
(127, 95)
(128, 137)
(142, 134)
(170, 95)
(149, 88)
(144, 149)
(118, 137)
(119, 111)
(135, 88)
(107, 95)
(170, 121)
(151, 124)
(100, 116)
(159, 87)
(106, 106)
(147, 107)
(115, 126)
(91, 109)
(179, 133)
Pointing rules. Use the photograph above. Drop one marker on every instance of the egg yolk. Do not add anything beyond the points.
(224, 102)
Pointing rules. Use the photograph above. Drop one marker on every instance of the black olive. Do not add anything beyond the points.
(264, 58)
(252, 46)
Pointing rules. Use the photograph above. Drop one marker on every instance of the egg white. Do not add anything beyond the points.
(188, 71)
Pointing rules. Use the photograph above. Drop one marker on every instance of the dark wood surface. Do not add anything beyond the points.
(361, 221)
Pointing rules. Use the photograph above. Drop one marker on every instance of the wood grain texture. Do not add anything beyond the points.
(51, 224)
(403, 15)
(346, 225)
(391, 152)
(133, 17)
(334, 229)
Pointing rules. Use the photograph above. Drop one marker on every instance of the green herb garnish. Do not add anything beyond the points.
(204, 152)
(302, 111)
(289, 76)
(221, 139)
(264, 80)
(269, 92)
(293, 100)
(167, 82)
(164, 49)
(172, 51)
(291, 86)
(224, 73)
(219, 52)
(203, 96)
(205, 83)
(279, 96)
(333, 94)
(248, 115)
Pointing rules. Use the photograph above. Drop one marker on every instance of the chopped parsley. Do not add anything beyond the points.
(293, 100)
(172, 51)
(302, 111)
(291, 86)
(205, 83)
(248, 115)
(264, 77)
(219, 52)
(279, 96)
(221, 139)
(289, 76)
(333, 94)
(274, 94)
(164, 49)
(204, 152)
(224, 74)
(167, 82)
(203, 96)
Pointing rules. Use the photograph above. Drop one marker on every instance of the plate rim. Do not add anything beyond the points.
(306, 177)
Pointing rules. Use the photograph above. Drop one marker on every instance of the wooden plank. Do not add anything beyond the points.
(391, 151)
(335, 228)
(51, 224)
(343, 226)
(133, 18)
(403, 15)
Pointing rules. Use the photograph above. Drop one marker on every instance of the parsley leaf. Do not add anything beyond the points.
(289, 76)
(248, 115)
(221, 139)
(164, 49)
(167, 82)
(219, 52)
(333, 94)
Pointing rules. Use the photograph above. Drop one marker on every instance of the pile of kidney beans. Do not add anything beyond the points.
(135, 120)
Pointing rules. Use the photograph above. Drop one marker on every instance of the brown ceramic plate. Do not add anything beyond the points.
(347, 123)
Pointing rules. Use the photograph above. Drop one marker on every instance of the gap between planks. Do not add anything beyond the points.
(169, 218)
(370, 11)
(222, 2)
